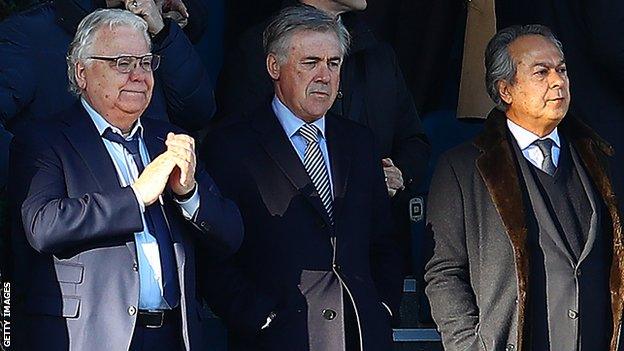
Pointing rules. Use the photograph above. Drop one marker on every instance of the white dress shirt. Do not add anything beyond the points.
(531, 152)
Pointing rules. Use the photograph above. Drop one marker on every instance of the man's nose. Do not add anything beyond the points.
(138, 73)
(557, 79)
(323, 74)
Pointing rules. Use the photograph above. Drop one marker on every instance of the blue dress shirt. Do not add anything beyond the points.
(148, 256)
(291, 124)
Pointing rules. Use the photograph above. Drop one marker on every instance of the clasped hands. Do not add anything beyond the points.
(174, 168)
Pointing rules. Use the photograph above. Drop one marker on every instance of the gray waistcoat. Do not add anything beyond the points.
(569, 302)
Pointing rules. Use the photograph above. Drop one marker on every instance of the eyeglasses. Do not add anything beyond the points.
(126, 63)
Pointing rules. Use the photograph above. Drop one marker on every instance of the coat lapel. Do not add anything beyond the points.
(499, 172)
(84, 137)
(340, 158)
(278, 147)
(588, 146)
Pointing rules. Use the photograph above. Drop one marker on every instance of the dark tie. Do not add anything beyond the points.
(545, 146)
(314, 164)
(156, 223)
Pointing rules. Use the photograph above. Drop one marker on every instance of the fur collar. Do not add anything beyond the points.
(498, 169)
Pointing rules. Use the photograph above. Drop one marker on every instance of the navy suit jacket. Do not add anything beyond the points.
(75, 266)
(287, 232)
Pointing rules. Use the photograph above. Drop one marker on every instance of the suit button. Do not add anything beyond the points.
(329, 314)
(204, 225)
(336, 266)
(132, 310)
(510, 347)
(135, 267)
(572, 314)
(578, 272)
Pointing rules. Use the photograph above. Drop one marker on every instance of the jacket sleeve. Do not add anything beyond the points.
(386, 260)
(453, 303)
(410, 147)
(17, 84)
(52, 221)
(218, 219)
(243, 304)
(185, 80)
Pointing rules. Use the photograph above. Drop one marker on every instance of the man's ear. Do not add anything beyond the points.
(503, 91)
(273, 67)
(80, 75)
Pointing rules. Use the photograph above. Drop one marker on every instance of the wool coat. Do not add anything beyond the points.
(478, 276)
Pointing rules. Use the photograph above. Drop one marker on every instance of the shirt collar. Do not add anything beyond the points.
(290, 122)
(102, 124)
(524, 138)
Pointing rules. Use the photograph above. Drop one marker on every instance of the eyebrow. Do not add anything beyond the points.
(547, 64)
(315, 58)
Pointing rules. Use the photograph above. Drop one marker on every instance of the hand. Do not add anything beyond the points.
(182, 178)
(154, 177)
(393, 177)
(176, 11)
(150, 11)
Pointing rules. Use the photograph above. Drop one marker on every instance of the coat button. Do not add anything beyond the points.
(135, 267)
(204, 225)
(132, 310)
(572, 314)
(510, 347)
(329, 314)
(336, 266)
(578, 272)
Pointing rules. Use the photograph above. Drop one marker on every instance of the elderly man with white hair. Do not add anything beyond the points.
(110, 209)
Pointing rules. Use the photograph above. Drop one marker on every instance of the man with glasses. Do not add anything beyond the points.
(110, 209)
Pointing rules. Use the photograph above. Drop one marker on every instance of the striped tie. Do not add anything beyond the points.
(315, 166)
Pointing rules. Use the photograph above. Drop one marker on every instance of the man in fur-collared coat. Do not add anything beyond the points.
(527, 238)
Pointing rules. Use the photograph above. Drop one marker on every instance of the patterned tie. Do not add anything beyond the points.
(314, 164)
(156, 223)
(545, 146)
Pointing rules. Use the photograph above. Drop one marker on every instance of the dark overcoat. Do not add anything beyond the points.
(478, 277)
(372, 93)
(288, 233)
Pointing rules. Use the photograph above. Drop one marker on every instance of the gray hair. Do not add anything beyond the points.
(500, 66)
(80, 47)
(293, 19)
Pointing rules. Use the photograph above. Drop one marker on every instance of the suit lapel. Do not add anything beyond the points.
(84, 137)
(154, 139)
(278, 147)
(340, 158)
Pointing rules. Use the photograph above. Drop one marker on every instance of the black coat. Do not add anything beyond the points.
(287, 232)
(373, 93)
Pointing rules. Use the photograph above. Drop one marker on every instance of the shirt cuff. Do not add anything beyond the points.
(138, 197)
(190, 205)
(388, 308)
